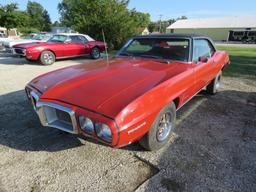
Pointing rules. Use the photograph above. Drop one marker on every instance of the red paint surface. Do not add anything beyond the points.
(127, 94)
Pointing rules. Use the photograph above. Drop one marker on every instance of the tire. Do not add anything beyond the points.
(156, 137)
(47, 58)
(95, 53)
(214, 86)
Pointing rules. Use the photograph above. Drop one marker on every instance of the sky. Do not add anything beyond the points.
(168, 8)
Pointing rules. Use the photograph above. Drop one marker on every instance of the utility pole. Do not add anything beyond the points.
(160, 25)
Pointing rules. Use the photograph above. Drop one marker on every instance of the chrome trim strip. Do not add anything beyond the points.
(66, 57)
(41, 113)
(36, 97)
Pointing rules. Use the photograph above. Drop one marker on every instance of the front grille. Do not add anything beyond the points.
(63, 116)
(20, 51)
(56, 116)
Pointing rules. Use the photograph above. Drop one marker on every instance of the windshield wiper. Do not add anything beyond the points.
(158, 58)
(126, 54)
(151, 56)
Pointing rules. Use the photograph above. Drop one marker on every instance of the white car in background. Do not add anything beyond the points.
(39, 37)
(4, 38)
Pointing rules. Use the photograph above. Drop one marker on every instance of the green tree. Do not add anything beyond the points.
(47, 21)
(112, 16)
(39, 17)
(57, 24)
(182, 17)
(8, 16)
(155, 26)
(141, 20)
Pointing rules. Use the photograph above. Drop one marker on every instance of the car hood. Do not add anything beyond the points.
(20, 41)
(36, 44)
(27, 44)
(105, 87)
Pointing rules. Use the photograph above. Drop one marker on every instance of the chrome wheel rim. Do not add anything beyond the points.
(96, 53)
(164, 127)
(48, 58)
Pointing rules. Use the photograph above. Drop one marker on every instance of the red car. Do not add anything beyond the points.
(134, 96)
(60, 46)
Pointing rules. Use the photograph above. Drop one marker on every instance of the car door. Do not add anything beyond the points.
(203, 56)
(60, 44)
(85, 47)
(79, 46)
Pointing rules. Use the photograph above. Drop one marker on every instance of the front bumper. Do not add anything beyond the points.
(8, 50)
(57, 116)
(65, 117)
(19, 51)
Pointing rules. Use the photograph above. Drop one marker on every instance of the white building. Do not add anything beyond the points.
(219, 29)
(11, 32)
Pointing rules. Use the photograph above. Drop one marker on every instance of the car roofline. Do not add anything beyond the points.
(173, 35)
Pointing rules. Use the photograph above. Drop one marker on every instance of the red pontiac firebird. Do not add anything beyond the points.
(134, 96)
(60, 46)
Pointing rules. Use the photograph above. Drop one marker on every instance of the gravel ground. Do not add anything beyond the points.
(213, 147)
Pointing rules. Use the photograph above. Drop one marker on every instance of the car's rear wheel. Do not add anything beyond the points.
(161, 130)
(95, 54)
(214, 86)
(47, 58)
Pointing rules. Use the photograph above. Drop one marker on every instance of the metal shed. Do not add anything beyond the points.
(219, 29)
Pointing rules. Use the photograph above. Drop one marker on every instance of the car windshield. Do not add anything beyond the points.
(58, 38)
(30, 36)
(157, 48)
(41, 37)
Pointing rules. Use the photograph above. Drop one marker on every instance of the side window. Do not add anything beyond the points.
(202, 48)
(84, 40)
(76, 39)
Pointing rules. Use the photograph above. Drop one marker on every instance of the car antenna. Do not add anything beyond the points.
(106, 47)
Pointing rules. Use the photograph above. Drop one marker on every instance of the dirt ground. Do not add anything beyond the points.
(213, 148)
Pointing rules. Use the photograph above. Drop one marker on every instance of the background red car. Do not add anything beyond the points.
(60, 46)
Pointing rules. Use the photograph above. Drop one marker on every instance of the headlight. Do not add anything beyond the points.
(103, 131)
(86, 124)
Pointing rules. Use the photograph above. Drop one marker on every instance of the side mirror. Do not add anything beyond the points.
(203, 59)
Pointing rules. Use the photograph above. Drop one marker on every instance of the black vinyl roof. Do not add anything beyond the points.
(176, 35)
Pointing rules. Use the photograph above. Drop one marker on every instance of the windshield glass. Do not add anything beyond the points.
(41, 37)
(157, 48)
(58, 38)
(30, 36)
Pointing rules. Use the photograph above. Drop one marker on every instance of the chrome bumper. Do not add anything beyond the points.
(19, 51)
(54, 115)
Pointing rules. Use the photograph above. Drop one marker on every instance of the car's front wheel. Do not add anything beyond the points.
(95, 54)
(161, 130)
(214, 86)
(47, 58)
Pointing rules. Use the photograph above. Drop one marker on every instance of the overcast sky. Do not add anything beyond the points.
(169, 8)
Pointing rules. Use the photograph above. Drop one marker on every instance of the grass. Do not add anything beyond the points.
(243, 62)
